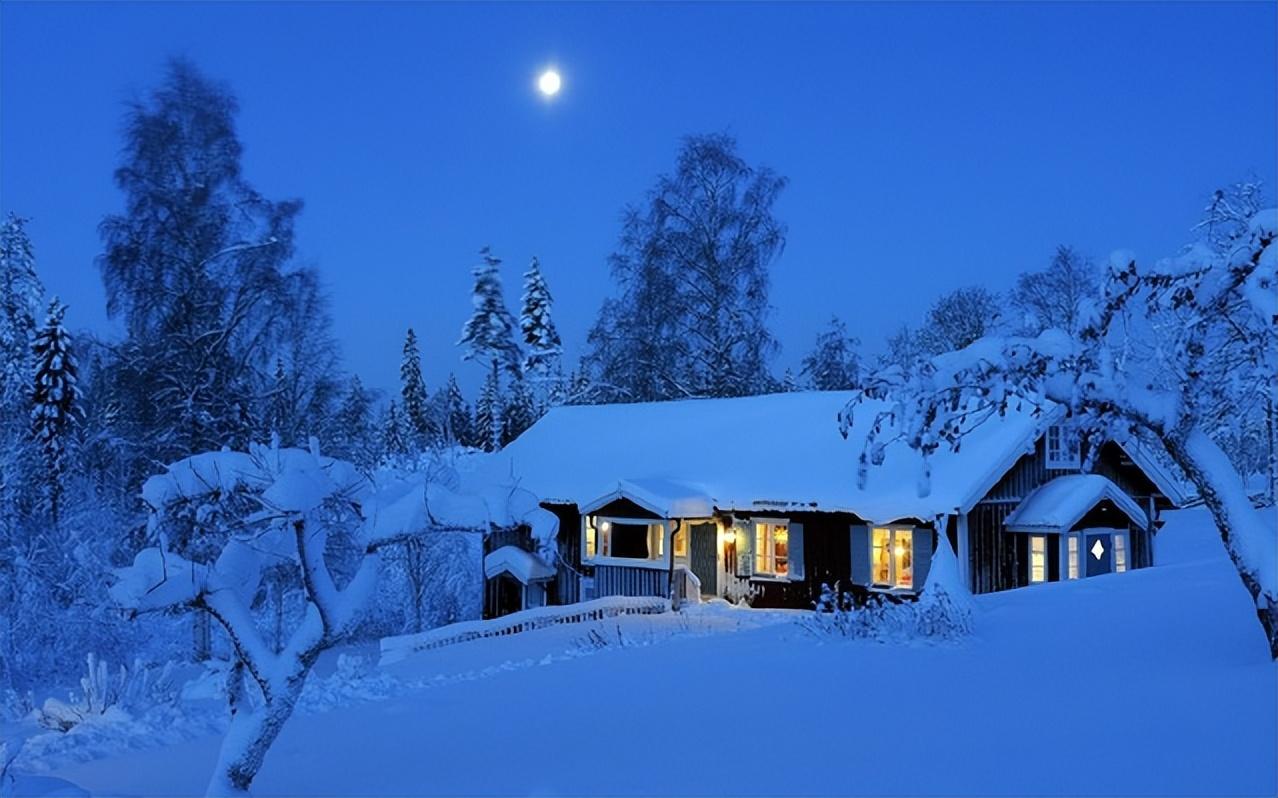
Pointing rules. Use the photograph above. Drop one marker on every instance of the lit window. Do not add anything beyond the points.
(771, 548)
(1062, 448)
(681, 543)
(1038, 559)
(623, 538)
(1073, 556)
(1120, 553)
(892, 557)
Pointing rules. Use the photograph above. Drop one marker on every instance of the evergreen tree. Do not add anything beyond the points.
(457, 414)
(489, 334)
(21, 297)
(488, 428)
(520, 411)
(280, 421)
(540, 336)
(833, 365)
(417, 410)
(54, 400)
(356, 439)
(394, 437)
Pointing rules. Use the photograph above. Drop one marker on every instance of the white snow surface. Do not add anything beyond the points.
(523, 565)
(1062, 503)
(748, 453)
(1152, 682)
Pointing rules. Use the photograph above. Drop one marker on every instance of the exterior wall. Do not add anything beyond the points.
(566, 587)
(999, 560)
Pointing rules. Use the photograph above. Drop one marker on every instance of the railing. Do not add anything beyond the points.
(395, 649)
(687, 588)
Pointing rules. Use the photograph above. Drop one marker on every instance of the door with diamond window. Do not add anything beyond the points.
(1098, 551)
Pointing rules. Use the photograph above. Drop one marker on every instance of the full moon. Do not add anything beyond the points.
(549, 82)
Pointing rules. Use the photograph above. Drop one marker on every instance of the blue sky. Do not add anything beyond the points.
(928, 146)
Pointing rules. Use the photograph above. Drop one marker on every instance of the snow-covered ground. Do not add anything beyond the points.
(1155, 682)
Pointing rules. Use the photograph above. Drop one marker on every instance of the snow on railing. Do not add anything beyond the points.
(691, 583)
(398, 648)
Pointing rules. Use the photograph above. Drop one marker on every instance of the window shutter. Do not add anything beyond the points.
(745, 548)
(796, 553)
(922, 542)
(860, 554)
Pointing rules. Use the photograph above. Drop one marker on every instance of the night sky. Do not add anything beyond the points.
(928, 146)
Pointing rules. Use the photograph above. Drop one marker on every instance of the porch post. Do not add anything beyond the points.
(963, 553)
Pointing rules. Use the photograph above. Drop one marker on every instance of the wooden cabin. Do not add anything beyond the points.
(758, 499)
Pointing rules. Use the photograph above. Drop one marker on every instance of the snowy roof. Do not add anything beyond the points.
(666, 498)
(760, 452)
(1062, 503)
(523, 565)
(1164, 477)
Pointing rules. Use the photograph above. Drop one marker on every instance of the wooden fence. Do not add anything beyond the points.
(394, 649)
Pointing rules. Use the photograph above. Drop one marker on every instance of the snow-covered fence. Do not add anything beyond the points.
(395, 649)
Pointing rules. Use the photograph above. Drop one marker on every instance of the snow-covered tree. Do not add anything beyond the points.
(489, 334)
(21, 300)
(1058, 295)
(520, 411)
(959, 318)
(356, 435)
(416, 404)
(833, 363)
(692, 268)
(395, 432)
(54, 400)
(457, 414)
(300, 512)
(488, 424)
(1138, 366)
(541, 339)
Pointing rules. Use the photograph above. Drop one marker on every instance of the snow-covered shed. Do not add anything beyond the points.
(759, 497)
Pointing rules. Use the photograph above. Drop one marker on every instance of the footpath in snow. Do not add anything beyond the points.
(1155, 682)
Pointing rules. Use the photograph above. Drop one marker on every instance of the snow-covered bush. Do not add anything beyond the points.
(104, 693)
(943, 610)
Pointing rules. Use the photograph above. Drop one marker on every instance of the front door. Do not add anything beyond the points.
(1098, 550)
(704, 556)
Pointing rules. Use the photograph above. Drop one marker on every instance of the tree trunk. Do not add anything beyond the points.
(252, 732)
(1225, 495)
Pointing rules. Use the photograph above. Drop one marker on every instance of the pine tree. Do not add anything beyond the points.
(417, 411)
(54, 402)
(540, 336)
(457, 414)
(489, 334)
(394, 439)
(21, 296)
(356, 439)
(833, 365)
(488, 414)
(520, 411)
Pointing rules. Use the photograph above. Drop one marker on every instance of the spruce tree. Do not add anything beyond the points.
(394, 439)
(489, 334)
(538, 328)
(488, 413)
(520, 411)
(54, 400)
(457, 414)
(833, 364)
(21, 297)
(356, 439)
(417, 411)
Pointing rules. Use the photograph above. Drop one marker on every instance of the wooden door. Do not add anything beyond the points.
(704, 556)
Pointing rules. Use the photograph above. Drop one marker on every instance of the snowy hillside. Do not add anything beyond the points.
(1154, 682)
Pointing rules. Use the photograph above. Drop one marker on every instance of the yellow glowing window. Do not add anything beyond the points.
(1038, 559)
(591, 538)
(681, 543)
(771, 548)
(892, 556)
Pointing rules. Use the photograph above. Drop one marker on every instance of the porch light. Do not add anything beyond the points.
(606, 525)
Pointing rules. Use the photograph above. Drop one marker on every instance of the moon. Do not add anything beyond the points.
(549, 83)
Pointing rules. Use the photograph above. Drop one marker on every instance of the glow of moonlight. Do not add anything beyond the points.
(549, 83)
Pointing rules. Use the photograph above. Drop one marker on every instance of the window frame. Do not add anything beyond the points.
(893, 582)
(1064, 453)
(1118, 542)
(593, 535)
(1042, 563)
(771, 558)
(1073, 556)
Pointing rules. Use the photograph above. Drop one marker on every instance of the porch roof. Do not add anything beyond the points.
(523, 565)
(667, 498)
(1060, 504)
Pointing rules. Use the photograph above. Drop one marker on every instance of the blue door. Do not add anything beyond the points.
(1098, 551)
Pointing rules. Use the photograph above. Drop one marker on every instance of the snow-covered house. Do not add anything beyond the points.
(758, 498)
